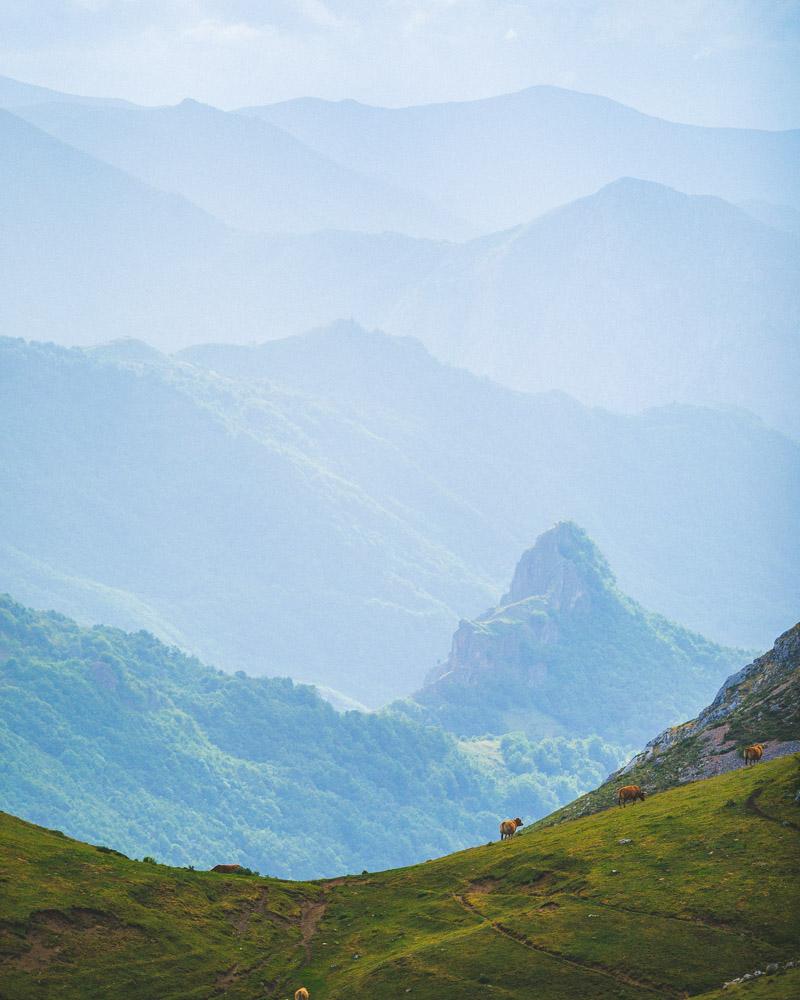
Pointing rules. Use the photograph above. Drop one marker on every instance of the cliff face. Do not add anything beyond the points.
(758, 704)
(566, 652)
(563, 573)
(564, 567)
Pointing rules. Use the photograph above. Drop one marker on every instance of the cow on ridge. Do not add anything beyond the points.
(509, 827)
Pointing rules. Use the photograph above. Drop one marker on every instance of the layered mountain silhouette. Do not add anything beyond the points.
(503, 159)
(566, 652)
(248, 173)
(637, 295)
(16, 94)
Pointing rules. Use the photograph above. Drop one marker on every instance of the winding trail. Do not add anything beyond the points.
(519, 938)
(752, 806)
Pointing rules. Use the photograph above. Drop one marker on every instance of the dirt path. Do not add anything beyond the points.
(601, 970)
(720, 926)
(310, 916)
(752, 806)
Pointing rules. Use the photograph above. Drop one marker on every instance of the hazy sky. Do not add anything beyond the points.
(725, 62)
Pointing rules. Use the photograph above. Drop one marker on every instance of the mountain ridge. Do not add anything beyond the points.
(485, 146)
(633, 297)
(376, 492)
(249, 173)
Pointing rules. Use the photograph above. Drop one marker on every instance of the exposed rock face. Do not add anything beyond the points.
(559, 574)
(564, 567)
(566, 652)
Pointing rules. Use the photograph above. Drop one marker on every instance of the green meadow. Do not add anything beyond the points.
(667, 898)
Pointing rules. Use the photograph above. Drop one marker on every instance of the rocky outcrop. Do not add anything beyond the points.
(564, 568)
(565, 652)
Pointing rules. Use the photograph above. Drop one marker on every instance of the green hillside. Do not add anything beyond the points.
(670, 898)
(566, 652)
(115, 737)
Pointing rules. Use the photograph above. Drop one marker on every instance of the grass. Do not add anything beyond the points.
(704, 892)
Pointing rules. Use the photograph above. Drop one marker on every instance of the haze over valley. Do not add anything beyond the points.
(395, 458)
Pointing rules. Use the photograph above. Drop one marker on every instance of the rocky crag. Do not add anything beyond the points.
(565, 652)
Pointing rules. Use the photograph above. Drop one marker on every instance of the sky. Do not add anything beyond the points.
(709, 62)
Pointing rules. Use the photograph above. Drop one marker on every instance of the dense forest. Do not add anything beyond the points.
(119, 739)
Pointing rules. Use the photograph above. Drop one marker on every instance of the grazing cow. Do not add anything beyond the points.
(301, 994)
(509, 827)
(629, 793)
(753, 753)
(227, 869)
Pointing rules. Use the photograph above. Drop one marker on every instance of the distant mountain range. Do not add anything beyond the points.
(16, 94)
(634, 296)
(328, 506)
(504, 159)
(565, 652)
(637, 295)
(248, 173)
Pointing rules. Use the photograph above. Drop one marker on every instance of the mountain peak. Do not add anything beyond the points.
(563, 566)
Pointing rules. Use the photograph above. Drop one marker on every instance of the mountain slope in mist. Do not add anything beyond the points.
(504, 159)
(330, 506)
(521, 462)
(248, 173)
(635, 296)
(16, 94)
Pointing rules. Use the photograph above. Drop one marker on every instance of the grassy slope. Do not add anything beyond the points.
(704, 892)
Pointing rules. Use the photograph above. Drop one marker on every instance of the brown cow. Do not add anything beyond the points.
(301, 994)
(227, 869)
(753, 753)
(629, 793)
(509, 827)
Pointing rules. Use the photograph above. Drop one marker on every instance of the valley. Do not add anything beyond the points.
(399, 489)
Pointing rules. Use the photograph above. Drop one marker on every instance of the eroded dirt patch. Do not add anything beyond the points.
(483, 885)
(310, 916)
(52, 934)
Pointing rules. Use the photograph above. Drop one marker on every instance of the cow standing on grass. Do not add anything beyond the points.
(753, 753)
(629, 793)
(509, 827)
